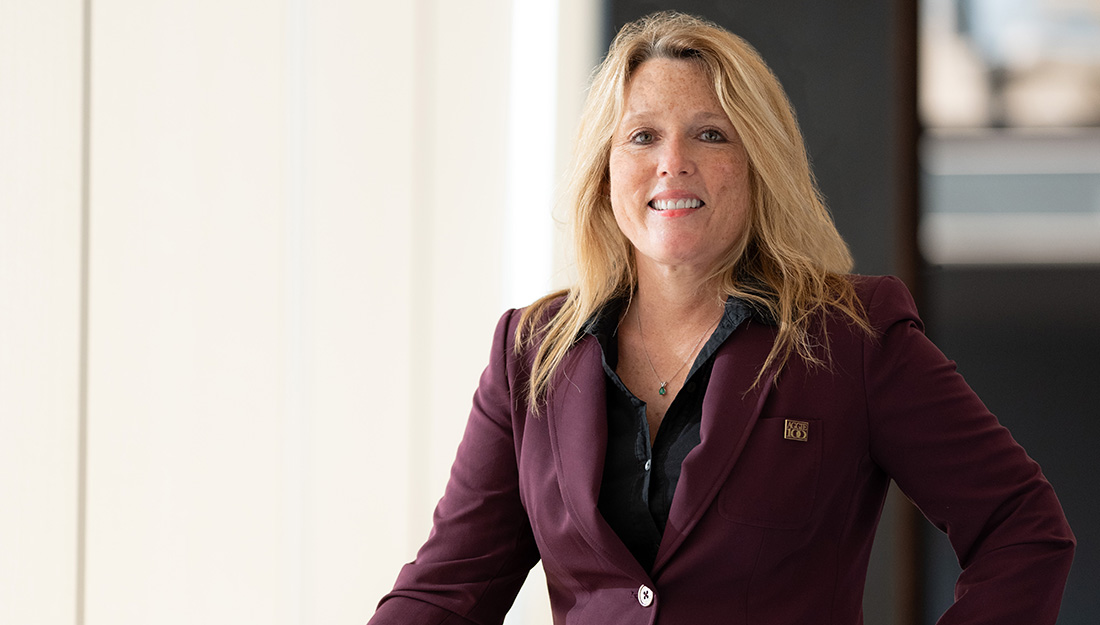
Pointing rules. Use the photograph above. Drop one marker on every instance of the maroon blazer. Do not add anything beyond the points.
(775, 510)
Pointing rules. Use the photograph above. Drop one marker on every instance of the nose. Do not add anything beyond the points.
(676, 158)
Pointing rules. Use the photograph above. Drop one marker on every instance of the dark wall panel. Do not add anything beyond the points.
(1027, 341)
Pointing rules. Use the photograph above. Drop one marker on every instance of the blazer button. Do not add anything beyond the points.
(645, 596)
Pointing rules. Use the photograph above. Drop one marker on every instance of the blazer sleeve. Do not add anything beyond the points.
(481, 547)
(951, 457)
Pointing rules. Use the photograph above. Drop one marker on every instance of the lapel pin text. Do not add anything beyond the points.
(796, 430)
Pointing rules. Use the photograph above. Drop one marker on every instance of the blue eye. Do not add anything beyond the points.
(712, 136)
(642, 137)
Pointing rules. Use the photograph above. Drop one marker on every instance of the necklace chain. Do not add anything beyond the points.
(664, 383)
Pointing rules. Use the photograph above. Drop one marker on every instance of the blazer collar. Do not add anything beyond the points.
(577, 420)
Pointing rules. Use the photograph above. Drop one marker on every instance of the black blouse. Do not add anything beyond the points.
(639, 481)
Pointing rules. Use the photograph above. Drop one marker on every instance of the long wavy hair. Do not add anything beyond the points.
(790, 263)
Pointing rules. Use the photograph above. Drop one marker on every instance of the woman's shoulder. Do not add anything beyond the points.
(539, 313)
(885, 300)
(527, 325)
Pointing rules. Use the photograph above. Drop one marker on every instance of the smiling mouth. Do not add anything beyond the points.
(664, 205)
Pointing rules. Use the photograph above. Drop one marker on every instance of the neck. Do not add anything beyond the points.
(676, 294)
(676, 305)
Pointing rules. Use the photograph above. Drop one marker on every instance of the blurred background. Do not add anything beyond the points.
(1010, 230)
(252, 253)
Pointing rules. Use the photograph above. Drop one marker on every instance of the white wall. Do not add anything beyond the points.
(298, 234)
(40, 302)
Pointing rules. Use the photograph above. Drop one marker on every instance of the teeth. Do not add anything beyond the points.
(664, 205)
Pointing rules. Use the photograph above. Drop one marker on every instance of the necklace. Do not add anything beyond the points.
(664, 384)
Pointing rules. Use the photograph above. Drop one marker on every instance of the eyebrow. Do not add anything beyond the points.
(704, 116)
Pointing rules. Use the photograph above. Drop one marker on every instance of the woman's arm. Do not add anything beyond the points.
(948, 453)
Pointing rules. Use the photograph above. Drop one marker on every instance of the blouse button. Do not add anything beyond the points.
(645, 596)
(648, 463)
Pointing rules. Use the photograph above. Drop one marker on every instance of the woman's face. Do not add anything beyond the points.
(678, 171)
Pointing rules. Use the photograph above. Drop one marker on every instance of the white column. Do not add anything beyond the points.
(40, 311)
(189, 326)
(362, 138)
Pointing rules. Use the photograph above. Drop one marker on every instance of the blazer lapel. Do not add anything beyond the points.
(577, 420)
(730, 410)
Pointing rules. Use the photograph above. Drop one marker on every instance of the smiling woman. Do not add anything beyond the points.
(680, 194)
(678, 172)
(658, 491)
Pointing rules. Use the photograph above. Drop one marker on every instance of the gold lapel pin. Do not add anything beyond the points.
(796, 430)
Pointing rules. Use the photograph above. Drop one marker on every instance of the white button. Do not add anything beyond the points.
(645, 596)
(648, 463)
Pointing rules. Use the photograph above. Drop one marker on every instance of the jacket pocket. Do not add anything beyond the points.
(774, 482)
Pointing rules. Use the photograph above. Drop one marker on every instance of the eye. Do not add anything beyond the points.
(711, 135)
(642, 137)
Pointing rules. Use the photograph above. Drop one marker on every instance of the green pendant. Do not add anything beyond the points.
(662, 391)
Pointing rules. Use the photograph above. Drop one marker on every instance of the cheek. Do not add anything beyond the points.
(626, 176)
(736, 185)
(624, 221)
(614, 189)
(738, 199)
(615, 175)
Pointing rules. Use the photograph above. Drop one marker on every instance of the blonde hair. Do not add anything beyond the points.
(791, 261)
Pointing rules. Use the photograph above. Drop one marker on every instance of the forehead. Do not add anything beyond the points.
(662, 85)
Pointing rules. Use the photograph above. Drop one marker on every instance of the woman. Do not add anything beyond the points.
(704, 427)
